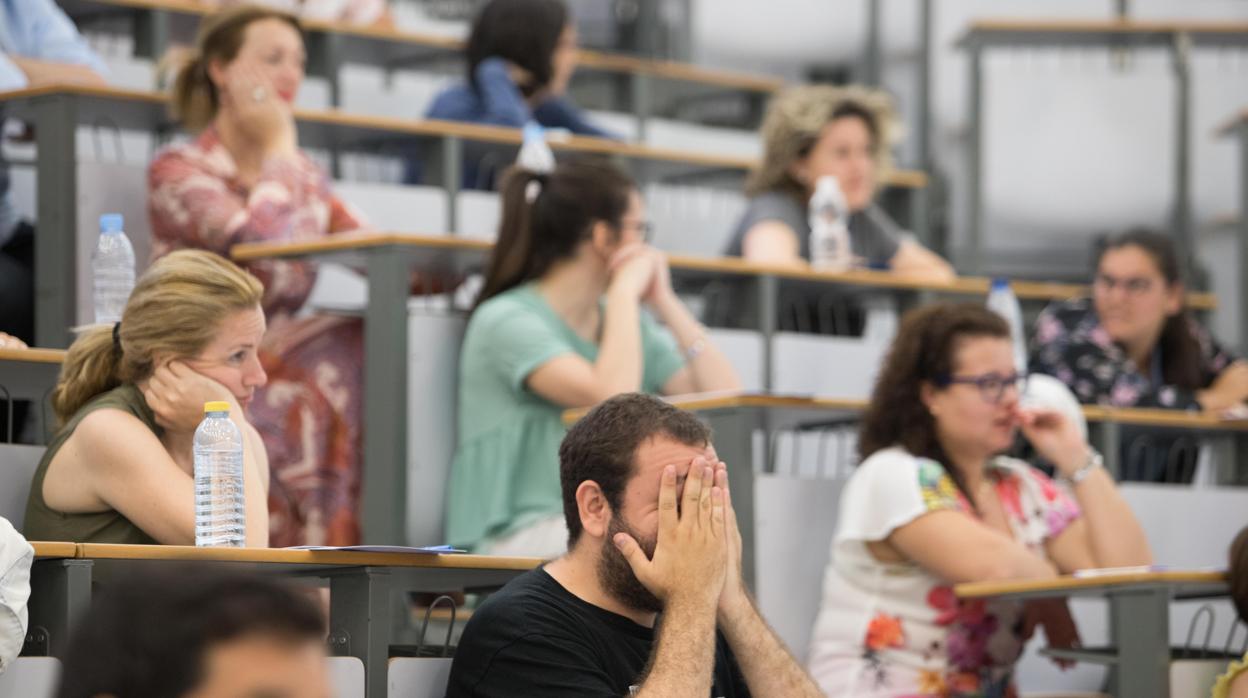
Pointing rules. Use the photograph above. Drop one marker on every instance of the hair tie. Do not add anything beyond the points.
(534, 188)
(117, 337)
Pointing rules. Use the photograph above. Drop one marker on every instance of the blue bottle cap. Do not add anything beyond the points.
(1000, 282)
(112, 223)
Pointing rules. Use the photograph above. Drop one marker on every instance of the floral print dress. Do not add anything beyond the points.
(309, 413)
(1071, 345)
(895, 630)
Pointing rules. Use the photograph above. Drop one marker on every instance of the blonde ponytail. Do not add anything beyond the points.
(91, 368)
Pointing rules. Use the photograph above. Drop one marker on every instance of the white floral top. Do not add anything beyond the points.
(893, 629)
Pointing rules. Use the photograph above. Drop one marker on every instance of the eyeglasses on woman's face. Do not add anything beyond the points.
(992, 386)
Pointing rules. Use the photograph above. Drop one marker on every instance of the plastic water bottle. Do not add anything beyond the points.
(112, 267)
(220, 508)
(535, 153)
(1003, 302)
(829, 235)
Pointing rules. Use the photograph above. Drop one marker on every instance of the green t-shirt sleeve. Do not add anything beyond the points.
(519, 341)
(661, 357)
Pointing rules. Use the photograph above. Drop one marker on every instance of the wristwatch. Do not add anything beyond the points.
(1095, 461)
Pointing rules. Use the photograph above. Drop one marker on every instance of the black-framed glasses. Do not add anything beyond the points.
(991, 385)
(1134, 286)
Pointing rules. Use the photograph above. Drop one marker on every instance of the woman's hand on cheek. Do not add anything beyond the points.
(176, 394)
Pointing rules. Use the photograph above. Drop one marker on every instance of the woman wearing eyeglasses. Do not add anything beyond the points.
(934, 504)
(1133, 344)
(560, 324)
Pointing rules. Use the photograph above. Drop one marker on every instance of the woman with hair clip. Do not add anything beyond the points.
(560, 324)
(244, 179)
(934, 503)
(129, 398)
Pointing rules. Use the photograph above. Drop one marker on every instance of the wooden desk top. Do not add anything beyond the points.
(708, 402)
(185, 553)
(1077, 29)
(1063, 586)
(1150, 417)
(592, 60)
(33, 355)
(45, 549)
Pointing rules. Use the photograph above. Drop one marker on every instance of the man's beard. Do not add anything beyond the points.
(615, 575)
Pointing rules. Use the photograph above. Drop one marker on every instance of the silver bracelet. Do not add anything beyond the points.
(698, 346)
(1095, 462)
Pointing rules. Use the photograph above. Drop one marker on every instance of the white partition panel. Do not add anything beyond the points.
(479, 213)
(346, 677)
(412, 677)
(397, 208)
(433, 378)
(744, 348)
(17, 470)
(31, 677)
(794, 520)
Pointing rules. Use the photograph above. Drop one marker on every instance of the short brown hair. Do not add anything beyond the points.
(195, 100)
(921, 353)
(795, 118)
(603, 445)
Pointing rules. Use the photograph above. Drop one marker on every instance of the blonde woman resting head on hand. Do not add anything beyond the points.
(130, 396)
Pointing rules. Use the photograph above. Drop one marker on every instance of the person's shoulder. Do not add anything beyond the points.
(523, 606)
(453, 103)
(516, 303)
(891, 460)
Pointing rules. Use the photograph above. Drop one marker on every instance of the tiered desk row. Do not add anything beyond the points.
(361, 611)
(60, 110)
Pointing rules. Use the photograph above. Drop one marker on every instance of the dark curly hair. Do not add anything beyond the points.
(922, 352)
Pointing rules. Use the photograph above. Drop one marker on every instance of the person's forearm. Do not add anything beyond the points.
(619, 365)
(683, 659)
(1116, 536)
(710, 368)
(766, 664)
(39, 72)
(1230, 388)
(255, 495)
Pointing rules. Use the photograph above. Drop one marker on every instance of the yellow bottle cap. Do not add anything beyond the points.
(216, 407)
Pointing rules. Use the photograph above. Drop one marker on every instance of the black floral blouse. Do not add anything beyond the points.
(1071, 345)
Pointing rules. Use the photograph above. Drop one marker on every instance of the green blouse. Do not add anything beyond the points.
(506, 469)
(45, 523)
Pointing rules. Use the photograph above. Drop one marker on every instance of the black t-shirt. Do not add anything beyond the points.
(535, 638)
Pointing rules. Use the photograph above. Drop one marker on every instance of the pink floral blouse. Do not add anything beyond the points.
(196, 200)
(893, 629)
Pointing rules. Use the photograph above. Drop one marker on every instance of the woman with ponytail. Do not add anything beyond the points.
(244, 179)
(559, 324)
(130, 395)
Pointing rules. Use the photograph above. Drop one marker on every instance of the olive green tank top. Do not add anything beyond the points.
(46, 523)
